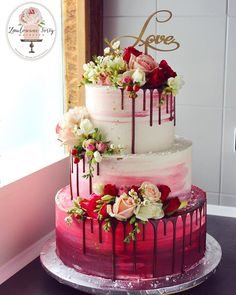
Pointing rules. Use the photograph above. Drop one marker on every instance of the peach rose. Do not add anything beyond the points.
(144, 62)
(150, 191)
(123, 208)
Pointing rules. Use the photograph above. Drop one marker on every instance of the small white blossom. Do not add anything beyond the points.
(97, 156)
(175, 84)
(139, 76)
(68, 220)
(116, 45)
(107, 50)
(98, 189)
(112, 146)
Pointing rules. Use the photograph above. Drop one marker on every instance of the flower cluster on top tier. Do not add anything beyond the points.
(77, 132)
(31, 16)
(133, 204)
(131, 69)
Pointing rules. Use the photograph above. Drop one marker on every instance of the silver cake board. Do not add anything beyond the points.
(165, 285)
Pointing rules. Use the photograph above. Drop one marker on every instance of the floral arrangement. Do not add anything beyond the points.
(131, 69)
(77, 132)
(131, 204)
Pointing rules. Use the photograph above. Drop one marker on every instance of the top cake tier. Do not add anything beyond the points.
(142, 124)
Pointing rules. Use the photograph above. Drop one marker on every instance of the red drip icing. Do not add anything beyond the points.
(124, 228)
(113, 226)
(100, 232)
(174, 245)
(72, 166)
(167, 104)
(84, 236)
(71, 191)
(164, 222)
(98, 169)
(159, 109)
(191, 228)
(91, 225)
(134, 256)
(171, 105)
(90, 184)
(144, 232)
(174, 112)
(151, 106)
(83, 164)
(122, 98)
(183, 243)
(200, 230)
(196, 218)
(77, 179)
(144, 99)
(133, 127)
(154, 225)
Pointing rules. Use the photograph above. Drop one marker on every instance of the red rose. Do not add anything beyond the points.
(92, 205)
(165, 191)
(110, 189)
(128, 51)
(172, 206)
(156, 78)
(135, 188)
(84, 204)
(167, 70)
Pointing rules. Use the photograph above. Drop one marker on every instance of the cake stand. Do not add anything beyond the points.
(164, 285)
(31, 45)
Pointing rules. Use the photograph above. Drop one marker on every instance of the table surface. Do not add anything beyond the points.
(33, 280)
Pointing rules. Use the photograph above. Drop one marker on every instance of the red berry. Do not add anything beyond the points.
(136, 88)
(129, 88)
(74, 152)
(76, 160)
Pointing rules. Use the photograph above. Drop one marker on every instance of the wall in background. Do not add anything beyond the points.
(206, 59)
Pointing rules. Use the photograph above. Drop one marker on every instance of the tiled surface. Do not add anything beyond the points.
(232, 7)
(129, 8)
(206, 60)
(231, 63)
(213, 198)
(229, 154)
(203, 127)
(200, 58)
(193, 7)
(228, 200)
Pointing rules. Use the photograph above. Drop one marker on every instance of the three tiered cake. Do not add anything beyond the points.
(130, 211)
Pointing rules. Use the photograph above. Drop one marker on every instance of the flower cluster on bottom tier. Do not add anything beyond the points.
(163, 247)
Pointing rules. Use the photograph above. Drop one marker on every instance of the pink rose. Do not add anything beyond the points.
(90, 147)
(123, 208)
(144, 62)
(150, 191)
(101, 147)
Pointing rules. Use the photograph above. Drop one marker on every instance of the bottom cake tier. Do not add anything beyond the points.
(163, 247)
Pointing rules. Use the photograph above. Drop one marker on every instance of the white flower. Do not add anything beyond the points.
(68, 220)
(98, 189)
(116, 45)
(175, 84)
(97, 156)
(86, 127)
(145, 212)
(107, 50)
(139, 76)
(112, 146)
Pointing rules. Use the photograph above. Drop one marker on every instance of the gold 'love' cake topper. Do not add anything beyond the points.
(152, 41)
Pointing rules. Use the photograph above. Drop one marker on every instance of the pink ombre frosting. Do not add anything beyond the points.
(164, 247)
(171, 167)
(105, 108)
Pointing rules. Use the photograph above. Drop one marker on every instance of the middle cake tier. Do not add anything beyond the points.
(171, 167)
